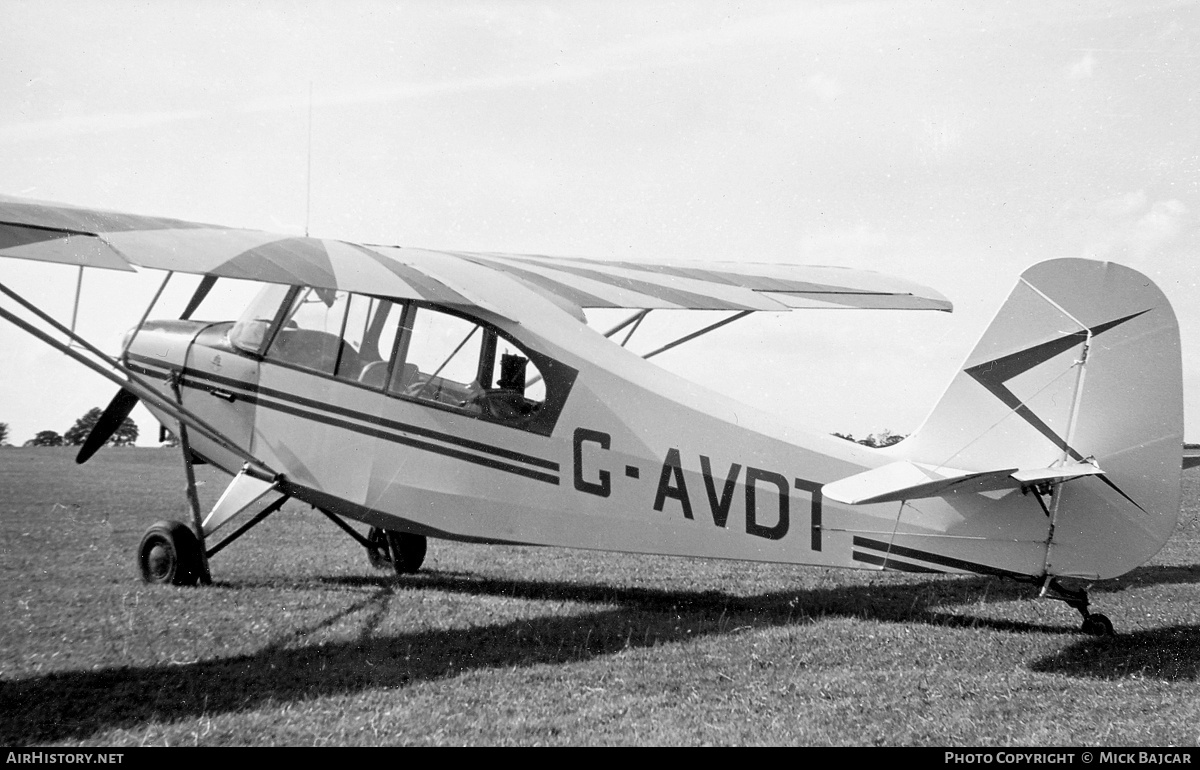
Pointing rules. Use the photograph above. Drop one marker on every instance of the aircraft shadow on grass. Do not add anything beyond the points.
(1143, 577)
(1168, 654)
(78, 704)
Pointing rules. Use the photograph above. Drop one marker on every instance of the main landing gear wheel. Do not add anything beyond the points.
(401, 551)
(1096, 624)
(169, 554)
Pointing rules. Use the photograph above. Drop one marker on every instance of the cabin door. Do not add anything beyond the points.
(222, 388)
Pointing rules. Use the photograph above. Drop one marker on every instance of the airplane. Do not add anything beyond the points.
(463, 396)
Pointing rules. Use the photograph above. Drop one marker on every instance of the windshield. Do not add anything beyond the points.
(250, 331)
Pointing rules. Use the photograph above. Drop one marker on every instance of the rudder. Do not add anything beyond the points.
(1082, 363)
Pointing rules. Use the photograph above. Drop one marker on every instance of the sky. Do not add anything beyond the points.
(947, 143)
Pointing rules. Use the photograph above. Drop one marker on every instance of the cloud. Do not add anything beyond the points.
(1162, 224)
(1122, 205)
(838, 241)
(75, 125)
(635, 52)
(602, 58)
(1129, 225)
(1084, 68)
(823, 87)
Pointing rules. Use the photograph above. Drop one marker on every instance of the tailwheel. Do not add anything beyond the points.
(1096, 624)
(169, 554)
(402, 551)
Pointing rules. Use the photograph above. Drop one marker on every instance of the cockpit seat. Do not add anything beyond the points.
(374, 374)
(405, 378)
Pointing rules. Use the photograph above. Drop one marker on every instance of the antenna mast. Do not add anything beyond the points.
(308, 172)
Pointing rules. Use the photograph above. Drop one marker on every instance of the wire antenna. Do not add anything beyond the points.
(308, 172)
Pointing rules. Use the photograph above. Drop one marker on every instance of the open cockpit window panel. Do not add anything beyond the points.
(460, 363)
(513, 371)
(310, 335)
(440, 358)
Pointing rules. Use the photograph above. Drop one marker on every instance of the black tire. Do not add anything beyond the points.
(1098, 625)
(169, 554)
(400, 551)
(408, 551)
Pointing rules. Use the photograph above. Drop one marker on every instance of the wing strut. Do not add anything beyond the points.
(123, 403)
(694, 335)
(206, 284)
(78, 294)
(635, 319)
(130, 381)
(145, 313)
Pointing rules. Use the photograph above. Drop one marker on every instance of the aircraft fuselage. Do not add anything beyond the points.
(635, 459)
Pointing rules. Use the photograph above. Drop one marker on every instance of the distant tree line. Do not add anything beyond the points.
(125, 435)
(45, 438)
(877, 440)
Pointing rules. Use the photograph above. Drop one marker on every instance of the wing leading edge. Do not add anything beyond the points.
(53, 232)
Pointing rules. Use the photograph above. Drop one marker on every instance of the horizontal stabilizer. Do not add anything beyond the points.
(912, 481)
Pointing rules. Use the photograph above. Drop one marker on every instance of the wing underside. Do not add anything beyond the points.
(53, 232)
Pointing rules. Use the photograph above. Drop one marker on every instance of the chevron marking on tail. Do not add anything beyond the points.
(993, 374)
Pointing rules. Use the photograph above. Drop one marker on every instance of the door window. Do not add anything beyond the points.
(311, 334)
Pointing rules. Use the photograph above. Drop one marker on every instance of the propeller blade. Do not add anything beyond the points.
(124, 402)
(116, 412)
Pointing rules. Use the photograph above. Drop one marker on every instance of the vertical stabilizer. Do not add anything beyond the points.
(1081, 364)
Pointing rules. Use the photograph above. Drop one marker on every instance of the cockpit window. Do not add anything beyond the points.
(513, 370)
(311, 334)
(367, 338)
(249, 333)
(456, 362)
(406, 350)
(441, 358)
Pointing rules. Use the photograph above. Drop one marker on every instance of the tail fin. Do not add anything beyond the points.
(1081, 365)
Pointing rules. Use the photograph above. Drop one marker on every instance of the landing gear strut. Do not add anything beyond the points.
(1094, 623)
(401, 551)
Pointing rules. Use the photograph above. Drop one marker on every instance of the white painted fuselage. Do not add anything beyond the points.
(638, 460)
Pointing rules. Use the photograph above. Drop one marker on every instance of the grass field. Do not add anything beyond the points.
(300, 642)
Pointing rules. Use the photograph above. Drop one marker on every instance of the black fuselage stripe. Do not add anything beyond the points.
(893, 564)
(414, 429)
(934, 558)
(488, 462)
(248, 391)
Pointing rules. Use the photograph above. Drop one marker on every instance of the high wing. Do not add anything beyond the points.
(54, 232)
